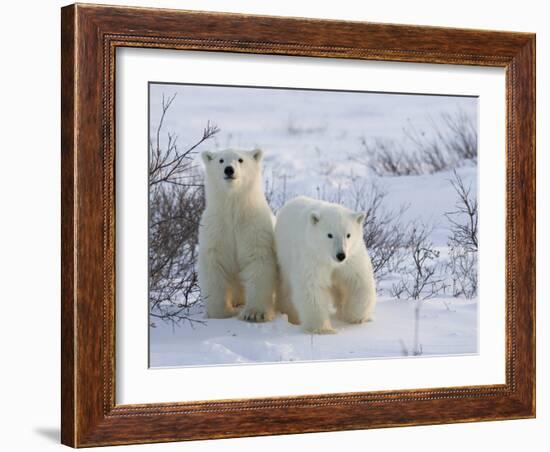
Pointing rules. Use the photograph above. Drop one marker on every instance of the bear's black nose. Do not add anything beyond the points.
(341, 256)
(229, 171)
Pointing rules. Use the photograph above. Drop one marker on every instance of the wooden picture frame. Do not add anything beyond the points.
(90, 35)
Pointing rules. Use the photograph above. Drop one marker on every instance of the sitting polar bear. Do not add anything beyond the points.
(236, 262)
(323, 264)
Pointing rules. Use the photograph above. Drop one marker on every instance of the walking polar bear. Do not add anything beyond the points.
(236, 262)
(323, 265)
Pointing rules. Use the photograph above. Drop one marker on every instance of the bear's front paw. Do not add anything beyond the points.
(237, 303)
(255, 315)
(358, 320)
(220, 313)
(326, 328)
(323, 330)
(293, 318)
(359, 316)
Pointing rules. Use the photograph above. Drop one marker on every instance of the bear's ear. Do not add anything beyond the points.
(207, 156)
(314, 217)
(360, 217)
(257, 154)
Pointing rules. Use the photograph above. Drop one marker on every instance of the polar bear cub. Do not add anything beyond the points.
(324, 264)
(236, 261)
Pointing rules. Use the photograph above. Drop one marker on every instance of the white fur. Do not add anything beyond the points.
(312, 281)
(237, 264)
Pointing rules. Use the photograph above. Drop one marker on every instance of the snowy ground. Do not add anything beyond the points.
(448, 326)
(444, 329)
(309, 139)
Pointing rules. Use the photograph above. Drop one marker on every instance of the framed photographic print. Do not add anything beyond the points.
(281, 225)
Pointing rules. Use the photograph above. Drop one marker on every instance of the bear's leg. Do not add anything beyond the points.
(218, 301)
(284, 302)
(258, 280)
(237, 294)
(215, 289)
(313, 306)
(358, 304)
(339, 296)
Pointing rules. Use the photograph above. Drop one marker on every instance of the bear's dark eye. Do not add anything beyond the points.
(240, 160)
(348, 236)
(329, 236)
(221, 160)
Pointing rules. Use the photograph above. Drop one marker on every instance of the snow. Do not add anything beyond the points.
(323, 121)
(309, 139)
(445, 328)
(428, 198)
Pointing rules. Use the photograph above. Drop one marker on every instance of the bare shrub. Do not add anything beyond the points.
(385, 157)
(463, 241)
(383, 231)
(173, 245)
(461, 136)
(416, 348)
(167, 164)
(276, 189)
(452, 142)
(176, 202)
(421, 279)
(293, 128)
(464, 219)
(462, 267)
